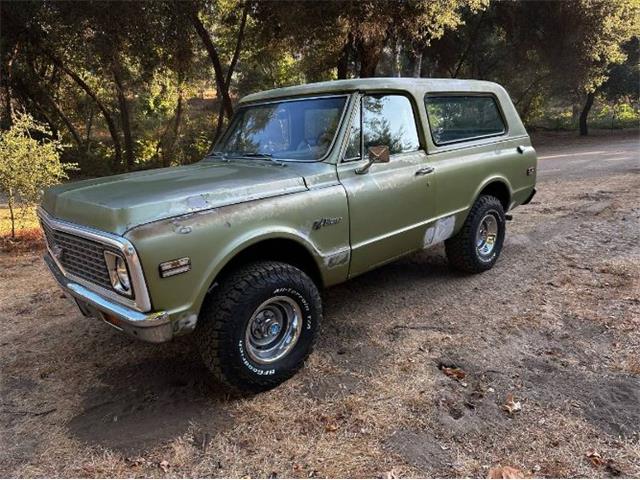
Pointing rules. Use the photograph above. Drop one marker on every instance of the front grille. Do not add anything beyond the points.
(79, 256)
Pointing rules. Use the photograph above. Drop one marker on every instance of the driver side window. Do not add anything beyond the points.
(382, 120)
(389, 120)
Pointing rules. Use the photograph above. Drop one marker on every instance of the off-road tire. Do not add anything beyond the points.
(220, 332)
(461, 249)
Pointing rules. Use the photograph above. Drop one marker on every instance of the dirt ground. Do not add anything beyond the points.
(554, 328)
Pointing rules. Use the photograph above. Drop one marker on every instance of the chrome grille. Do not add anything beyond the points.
(79, 256)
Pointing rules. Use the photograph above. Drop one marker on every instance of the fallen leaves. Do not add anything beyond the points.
(454, 372)
(164, 466)
(511, 405)
(594, 457)
(505, 472)
(394, 473)
(331, 427)
(597, 461)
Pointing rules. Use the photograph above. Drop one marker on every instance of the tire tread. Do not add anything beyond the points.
(217, 320)
(460, 249)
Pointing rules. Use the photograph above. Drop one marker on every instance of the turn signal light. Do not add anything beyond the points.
(175, 267)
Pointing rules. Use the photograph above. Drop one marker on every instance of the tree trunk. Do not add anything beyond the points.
(215, 60)
(343, 62)
(8, 109)
(124, 118)
(117, 160)
(232, 66)
(470, 45)
(42, 96)
(585, 113)
(369, 54)
(72, 130)
(87, 127)
(167, 150)
(236, 51)
(395, 61)
(67, 122)
(417, 65)
(345, 56)
(12, 217)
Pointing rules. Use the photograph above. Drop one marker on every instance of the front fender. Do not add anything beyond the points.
(212, 238)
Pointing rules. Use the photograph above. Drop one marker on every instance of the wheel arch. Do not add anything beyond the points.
(283, 246)
(278, 248)
(498, 187)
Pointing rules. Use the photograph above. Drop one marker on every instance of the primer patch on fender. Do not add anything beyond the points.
(440, 231)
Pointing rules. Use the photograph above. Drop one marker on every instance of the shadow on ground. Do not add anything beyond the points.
(143, 405)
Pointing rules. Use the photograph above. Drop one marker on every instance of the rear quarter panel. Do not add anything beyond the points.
(464, 169)
(463, 173)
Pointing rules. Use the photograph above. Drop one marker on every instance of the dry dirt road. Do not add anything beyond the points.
(555, 327)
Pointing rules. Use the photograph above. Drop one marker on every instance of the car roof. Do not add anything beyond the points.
(415, 85)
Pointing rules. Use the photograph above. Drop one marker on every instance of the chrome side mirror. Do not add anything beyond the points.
(376, 154)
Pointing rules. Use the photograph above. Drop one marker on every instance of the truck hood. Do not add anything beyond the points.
(118, 203)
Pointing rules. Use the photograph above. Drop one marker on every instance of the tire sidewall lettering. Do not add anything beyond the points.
(302, 301)
(308, 315)
(250, 366)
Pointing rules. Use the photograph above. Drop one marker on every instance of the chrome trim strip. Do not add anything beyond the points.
(138, 319)
(141, 301)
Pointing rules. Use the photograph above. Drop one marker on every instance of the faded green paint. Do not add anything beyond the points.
(213, 210)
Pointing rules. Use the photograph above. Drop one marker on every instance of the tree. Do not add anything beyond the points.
(578, 41)
(623, 83)
(600, 28)
(29, 162)
(352, 35)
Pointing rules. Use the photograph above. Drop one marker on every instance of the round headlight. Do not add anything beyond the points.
(118, 273)
(123, 274)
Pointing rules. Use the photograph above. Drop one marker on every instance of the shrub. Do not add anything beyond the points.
(29, 162)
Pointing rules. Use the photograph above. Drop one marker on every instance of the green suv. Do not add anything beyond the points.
(310, 186)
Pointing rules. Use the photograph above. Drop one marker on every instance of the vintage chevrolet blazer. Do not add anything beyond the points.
(310, 186)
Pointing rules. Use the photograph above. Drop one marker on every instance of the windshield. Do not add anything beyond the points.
(300, 130)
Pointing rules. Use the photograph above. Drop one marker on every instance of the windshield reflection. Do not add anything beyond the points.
(300, 130)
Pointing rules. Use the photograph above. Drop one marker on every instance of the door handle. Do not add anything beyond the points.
(425, 171)
(520, 149)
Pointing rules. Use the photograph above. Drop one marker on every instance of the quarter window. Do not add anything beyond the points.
(389, 120)
(459, 118)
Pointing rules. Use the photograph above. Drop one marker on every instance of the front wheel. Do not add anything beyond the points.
(258, 327)
(476, 247)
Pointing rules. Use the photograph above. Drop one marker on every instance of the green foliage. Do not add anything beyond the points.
(29, 162)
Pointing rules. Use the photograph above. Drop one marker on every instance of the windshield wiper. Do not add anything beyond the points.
(265, 156)
(223, 156)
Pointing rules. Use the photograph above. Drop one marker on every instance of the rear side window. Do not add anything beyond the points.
(459, 118)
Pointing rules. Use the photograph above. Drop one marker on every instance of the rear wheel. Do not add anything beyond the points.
(477, 246)
(258, 327)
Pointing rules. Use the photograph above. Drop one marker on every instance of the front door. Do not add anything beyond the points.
(392, 204)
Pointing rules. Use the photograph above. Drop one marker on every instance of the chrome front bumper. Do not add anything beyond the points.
(155, 327)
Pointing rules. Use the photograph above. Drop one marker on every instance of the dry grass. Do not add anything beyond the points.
(26, 240)
(26, 219)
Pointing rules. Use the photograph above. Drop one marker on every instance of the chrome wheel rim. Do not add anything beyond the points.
(487, 235)
(273, 330)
